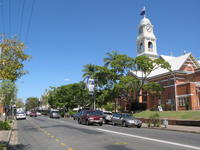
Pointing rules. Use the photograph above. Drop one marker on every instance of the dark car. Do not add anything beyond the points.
(107, 117)
(125, 120)
(33, 114)
(76, 115)
(91, 117)
(54, 114)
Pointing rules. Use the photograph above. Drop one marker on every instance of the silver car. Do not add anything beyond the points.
(54, 114)
(125, 120)
(20, 115)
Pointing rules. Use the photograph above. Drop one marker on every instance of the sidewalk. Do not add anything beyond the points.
(189, 129)
(5, 135)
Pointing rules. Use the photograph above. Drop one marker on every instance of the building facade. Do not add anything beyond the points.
(181, 86)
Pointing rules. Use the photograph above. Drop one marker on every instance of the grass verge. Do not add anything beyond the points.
(182, 115)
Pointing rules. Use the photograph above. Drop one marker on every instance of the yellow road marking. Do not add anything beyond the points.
(57, 140)
(70, 149)
(121, 143)
(63, 144)
(52, 136)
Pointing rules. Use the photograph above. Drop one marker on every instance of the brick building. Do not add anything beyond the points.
(181, 86)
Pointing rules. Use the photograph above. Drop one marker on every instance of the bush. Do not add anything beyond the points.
(4, 125)
(155, 120)
(2, 146)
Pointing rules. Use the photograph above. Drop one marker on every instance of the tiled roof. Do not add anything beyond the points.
(175, 62)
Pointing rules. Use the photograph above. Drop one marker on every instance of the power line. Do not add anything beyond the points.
(18, 17)
(29, 21)
(2, 16)
(9, 17)
(21, 19)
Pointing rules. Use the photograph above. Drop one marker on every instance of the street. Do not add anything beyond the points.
(43, 133)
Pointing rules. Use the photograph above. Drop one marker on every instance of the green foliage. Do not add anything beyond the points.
(2, 146)
(68, 96)
(19, 103)
(32, 103)
(188, 115)
(153, 88)
(108, 106)
(8, 91)
(155, 120)
(4, 125)
(89, 70)
(12, 59)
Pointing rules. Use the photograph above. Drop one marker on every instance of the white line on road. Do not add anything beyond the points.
(151, 139)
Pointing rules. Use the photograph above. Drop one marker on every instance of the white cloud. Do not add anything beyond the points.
(66, 79)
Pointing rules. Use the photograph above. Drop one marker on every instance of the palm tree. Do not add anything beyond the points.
(89, 70)
(110, 58)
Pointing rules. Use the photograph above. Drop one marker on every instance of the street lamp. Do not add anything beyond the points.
(91, 88)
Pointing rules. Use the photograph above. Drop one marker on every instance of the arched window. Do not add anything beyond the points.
(141, 47)
(150, 46)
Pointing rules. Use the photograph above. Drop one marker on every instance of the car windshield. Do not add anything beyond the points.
(107, 113)
(20, 113)
(128, 116)
(95, 113)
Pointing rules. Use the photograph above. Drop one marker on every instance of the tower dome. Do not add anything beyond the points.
(146, 40)
(144, 21)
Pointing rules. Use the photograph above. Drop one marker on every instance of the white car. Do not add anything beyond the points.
(38, 113)
(20, 115)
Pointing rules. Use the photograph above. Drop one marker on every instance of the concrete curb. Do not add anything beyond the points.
(162, 128)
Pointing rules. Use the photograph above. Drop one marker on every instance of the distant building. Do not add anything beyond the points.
(182, 85)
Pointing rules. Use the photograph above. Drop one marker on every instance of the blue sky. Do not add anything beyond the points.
(66, 34)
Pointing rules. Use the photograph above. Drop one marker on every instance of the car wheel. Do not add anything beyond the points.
(87, 123)
(100, 124)
(113, 124)
(138, 126)
(124, 124)
(79, 121)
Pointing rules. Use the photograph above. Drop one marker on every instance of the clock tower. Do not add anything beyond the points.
(146, 40)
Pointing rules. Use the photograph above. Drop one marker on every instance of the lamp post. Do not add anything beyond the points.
(91, 87)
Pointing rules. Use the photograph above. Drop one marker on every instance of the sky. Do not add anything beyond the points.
(64, 35)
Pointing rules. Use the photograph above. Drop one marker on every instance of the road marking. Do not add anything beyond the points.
(121, 143)
(57, 140)
(63, 144)
(52, 136)
(70, 149)
(150, 139)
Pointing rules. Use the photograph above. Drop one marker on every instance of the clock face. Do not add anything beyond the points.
(149, 28)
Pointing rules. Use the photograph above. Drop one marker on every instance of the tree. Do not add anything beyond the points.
(12, 57)
(89, 70)
(8, 92)
(108, 106)
(32, 103)
(19, 103)
(143, 66)
(111, 57)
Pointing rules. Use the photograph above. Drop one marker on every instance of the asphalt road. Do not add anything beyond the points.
(43, 133)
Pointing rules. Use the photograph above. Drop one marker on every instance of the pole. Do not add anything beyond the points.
(94, 101)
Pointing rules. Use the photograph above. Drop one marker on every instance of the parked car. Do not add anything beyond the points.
(33, 114)
(20, 115)
(125, 120)
(54, 114)
(76, 115)
(107, 116)
(28, 113)
(38, 113)
(91, 117)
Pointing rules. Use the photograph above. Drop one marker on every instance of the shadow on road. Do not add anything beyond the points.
(73, 128)
(19, 147)
(117, 147)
